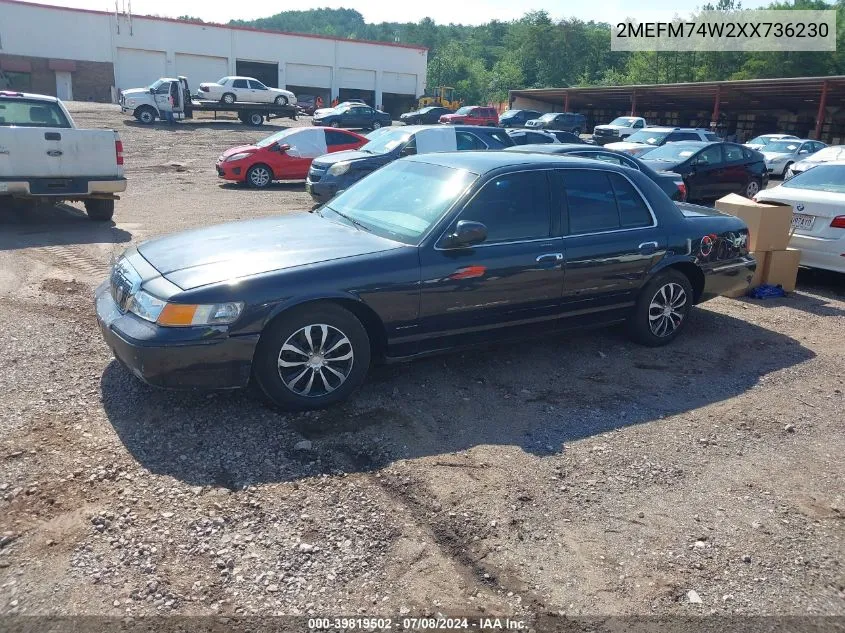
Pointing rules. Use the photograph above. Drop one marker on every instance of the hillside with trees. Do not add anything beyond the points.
(483, 62)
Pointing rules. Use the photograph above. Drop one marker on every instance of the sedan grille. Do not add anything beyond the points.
(316, 172)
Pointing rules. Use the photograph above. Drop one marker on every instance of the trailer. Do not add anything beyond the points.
(173, 95)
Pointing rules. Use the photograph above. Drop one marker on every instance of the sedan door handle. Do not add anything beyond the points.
(550, 257)
(648, 247)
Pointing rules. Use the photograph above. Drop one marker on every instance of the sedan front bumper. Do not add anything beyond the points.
(176, 358)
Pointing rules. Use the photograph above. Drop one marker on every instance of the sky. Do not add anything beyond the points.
(441, 11)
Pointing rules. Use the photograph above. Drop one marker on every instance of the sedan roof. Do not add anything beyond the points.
(481, 162)
(556, 148)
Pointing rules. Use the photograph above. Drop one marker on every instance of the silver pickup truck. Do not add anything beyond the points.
(44, 156)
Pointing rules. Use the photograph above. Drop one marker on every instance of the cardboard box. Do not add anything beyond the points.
(768, 224)
(762, 258)
(782, 268)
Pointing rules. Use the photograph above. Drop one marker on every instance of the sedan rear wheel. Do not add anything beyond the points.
(312, 357)
(228, 98)
(259, 176)
(752, 188)
(376, 125)
(662, 309)
(335, 124)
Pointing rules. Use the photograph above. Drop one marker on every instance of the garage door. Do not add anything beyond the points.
(399, 83)
(201, 68)
(137, 68)
(355, 78)
(308, 75)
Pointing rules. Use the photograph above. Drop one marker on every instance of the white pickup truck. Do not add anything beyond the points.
(617, 130)
(44, 156)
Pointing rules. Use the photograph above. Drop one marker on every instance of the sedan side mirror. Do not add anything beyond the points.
(467, 233)
(282, 148)
(804, 151)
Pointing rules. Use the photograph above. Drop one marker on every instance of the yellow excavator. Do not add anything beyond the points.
(443, 96)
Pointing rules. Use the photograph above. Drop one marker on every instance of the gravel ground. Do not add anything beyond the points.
(580, 475)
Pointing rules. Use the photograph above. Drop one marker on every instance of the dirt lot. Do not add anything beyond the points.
(579, 475)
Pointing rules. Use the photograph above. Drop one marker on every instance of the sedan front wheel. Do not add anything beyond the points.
(259, 176)
(312, 357)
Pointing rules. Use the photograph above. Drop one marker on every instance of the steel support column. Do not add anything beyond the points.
(820, 115)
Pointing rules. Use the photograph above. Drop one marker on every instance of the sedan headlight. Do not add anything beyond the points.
(131, 102)
(238, 156)
(338, 169)
(155, 310)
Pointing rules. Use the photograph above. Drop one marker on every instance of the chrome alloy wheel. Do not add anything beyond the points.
(315, 360)
(665, 312)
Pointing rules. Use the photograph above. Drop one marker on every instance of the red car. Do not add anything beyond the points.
(473, 115)
(286, 155)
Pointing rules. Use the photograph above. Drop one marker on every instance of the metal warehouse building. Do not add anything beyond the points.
(90, 55)
(804, 106)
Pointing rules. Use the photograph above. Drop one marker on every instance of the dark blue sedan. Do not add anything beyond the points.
(429, 253)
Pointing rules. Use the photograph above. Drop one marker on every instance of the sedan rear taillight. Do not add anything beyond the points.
(118, 151)
(682, 188)
(838, 222)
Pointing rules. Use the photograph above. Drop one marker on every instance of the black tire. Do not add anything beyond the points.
(648, 324)
(259, 176)
(290, 327)
(376, 125)
(281, 100)
(577, 131)
(786, 169)
(228, 98)
(335, 124)
(99, 210)
(145, 115)
(255, 119)
(752, 188)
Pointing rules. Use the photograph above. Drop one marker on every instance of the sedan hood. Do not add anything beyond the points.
(776, 155)
(623, 146)
(240, 249)
(351, 154)
(239, 150)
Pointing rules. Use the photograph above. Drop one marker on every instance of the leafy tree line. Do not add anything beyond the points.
(483, 62)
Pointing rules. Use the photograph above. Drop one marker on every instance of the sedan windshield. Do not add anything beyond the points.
(623, 120)
(278, 136)
(837, 152)
(822, 178)
(401, 201)
(781, 147)
(763, 140)
(650, 137)
(386, 142)
(671, 152)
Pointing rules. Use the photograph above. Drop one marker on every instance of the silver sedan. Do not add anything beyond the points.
(781, 155)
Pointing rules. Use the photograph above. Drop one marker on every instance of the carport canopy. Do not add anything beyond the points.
(793, 93)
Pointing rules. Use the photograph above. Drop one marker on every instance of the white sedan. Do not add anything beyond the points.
(245, 89)
(817, 198)
(761, 141)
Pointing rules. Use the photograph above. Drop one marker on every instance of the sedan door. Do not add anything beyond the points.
(706, 178)
(611, 241)
(737, 170)
(259, 92)
(241, 89)
(514, 277)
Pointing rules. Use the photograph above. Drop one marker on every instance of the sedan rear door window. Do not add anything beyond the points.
(590, 201)
(633, 211)
(733, 153)
(239, 83)
(512, 207)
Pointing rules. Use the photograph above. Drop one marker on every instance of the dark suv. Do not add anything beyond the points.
(517, 118)
(567, 121)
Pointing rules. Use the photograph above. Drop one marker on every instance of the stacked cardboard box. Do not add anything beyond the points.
(769, 226)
